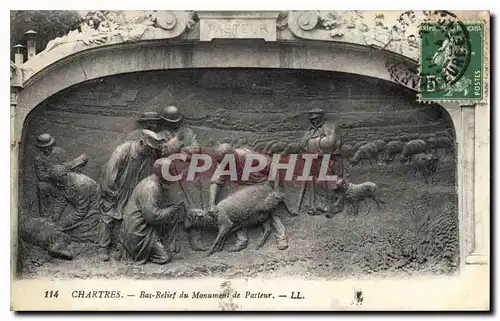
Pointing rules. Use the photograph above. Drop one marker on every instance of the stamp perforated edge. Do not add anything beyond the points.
(485, 67)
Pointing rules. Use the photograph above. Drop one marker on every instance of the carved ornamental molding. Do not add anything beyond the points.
(396, 32)
(392, 32)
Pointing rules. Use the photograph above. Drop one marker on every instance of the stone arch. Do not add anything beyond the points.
(96, 63)
(100, 62)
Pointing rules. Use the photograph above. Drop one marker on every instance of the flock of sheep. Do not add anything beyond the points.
(421, 153)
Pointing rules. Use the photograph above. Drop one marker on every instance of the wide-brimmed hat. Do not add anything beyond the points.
(151, 138)
(171, 114)
(149, 116)
(57, 171)
(44, 140)
(315, 113)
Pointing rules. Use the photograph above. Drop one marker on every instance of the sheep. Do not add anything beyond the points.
(444, 133)
(243, 142)
(197, 218)
(358, 145)
(392, 138)
(346, 150)
(425, 137)
(257, 141)
(380, 144)
(292, 148)
(413, 136)
(411, 148)
(394, 148)
(259, 147)
(431, 144)
(425, 164)
(268, 146)
(354, 194)
(277, 147)
(445, 144)
(42, 232)
(365, 152)
(252, 205)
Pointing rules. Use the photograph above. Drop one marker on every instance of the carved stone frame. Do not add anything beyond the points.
(471, 122)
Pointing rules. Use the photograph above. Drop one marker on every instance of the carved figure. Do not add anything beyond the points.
(255, 178)
(445, 144)
(354, 194)
(79, 191)
(426, 164)
(366, 152)
(143, 217)
(394, 148)
(45, 234)
(50, 155)
(358, 145)
(149, 120)
(322, 138)
(176, 136)
(411, 148)
(128, 165)
(252, 205)
(380, 145)
(172, 121)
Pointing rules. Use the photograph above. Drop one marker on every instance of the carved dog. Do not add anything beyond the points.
(354, 194)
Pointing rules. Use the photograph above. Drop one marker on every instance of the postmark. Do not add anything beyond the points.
(451, 59)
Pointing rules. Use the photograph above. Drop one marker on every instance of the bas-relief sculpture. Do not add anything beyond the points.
(385, 148)
(386, 31)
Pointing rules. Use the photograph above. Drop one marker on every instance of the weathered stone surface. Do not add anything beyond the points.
(266, 108)
(238, 25)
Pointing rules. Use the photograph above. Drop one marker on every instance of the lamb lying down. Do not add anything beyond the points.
(354, 194)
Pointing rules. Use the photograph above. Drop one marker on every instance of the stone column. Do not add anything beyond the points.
(16, 85)
(479, 248)
(472, 147)
(14, 172)
(467, 165)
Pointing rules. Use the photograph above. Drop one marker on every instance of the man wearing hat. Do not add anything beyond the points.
(178, 136)
(144, 216)
(149, 120)
(47, 156)
(79, 191)
(173, 127)
(323, 137)
(128, 165)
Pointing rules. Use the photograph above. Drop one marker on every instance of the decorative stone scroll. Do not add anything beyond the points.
(112, 27)
(238, 25)
(396, 33)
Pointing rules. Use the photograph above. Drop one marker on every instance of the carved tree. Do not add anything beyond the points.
(49, 24)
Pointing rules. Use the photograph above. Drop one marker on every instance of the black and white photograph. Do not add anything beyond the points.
(238, 160)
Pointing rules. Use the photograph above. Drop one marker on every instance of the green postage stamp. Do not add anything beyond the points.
(452, 55)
